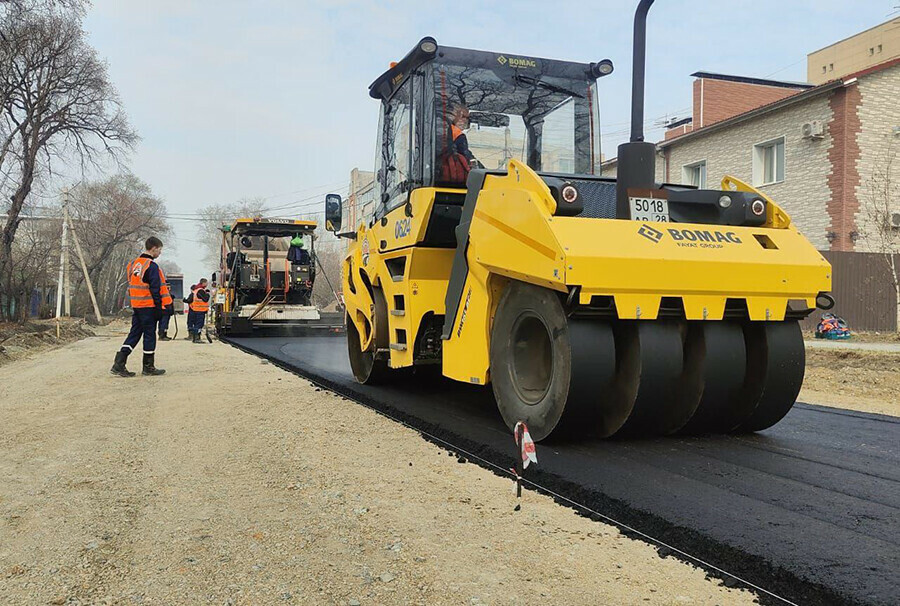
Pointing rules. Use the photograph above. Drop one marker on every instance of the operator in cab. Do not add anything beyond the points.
(457, 158)
(297, 253)
(147, 291)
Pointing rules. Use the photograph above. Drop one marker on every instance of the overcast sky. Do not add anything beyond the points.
(246, 99)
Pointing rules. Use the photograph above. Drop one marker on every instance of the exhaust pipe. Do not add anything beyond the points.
(637, 158)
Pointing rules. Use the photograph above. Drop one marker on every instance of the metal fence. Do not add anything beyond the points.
(863, 291)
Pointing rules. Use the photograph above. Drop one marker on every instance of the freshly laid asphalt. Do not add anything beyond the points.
(809, 509)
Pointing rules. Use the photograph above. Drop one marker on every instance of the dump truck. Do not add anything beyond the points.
(591, 305)
(266, 277)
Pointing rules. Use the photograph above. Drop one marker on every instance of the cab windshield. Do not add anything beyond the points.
(548, 122)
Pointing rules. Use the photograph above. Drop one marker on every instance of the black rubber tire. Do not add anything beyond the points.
(776, 361)
(723, 358)
(530, 358)
(652, 372)
(367, 366)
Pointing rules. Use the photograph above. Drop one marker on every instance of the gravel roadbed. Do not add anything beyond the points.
(230, 481)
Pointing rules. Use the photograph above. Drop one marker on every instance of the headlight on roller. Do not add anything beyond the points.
(569, 194)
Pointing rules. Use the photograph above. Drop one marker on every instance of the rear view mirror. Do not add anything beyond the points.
(333, 212)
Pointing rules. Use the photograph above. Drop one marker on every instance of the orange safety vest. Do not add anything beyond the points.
(164, 290)
(138, 290)
(198, 304)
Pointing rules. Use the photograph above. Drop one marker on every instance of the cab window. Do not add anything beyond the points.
(395, 168)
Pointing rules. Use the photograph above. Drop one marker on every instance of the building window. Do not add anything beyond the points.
(694, 174)
(879, 48)
(824, 69)
(768, 162)
(831, 67)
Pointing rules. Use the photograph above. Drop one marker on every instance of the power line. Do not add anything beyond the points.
(296, 204)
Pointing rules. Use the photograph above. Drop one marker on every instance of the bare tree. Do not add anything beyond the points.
(881, 213)
(113, 218)
(56, 104)
(170, 267)
(214, 216)
(36, 258)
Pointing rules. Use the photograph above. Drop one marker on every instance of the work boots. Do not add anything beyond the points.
(197, 338)
(164, 337)
(149, 368)
(118, 368)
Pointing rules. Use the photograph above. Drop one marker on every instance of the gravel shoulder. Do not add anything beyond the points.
(230, 481)
(868, 381)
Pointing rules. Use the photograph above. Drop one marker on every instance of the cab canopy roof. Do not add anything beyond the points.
(275, 228)
(428, 50)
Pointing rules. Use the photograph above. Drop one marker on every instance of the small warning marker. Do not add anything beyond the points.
(527, 454)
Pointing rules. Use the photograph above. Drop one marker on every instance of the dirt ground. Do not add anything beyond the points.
(858, 380)
(179, 490)
(20, 340)
(865, 337)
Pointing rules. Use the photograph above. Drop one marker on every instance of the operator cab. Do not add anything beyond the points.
(268, 256)
(542, 112)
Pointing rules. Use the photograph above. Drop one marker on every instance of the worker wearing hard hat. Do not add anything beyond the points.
(198, 305)
(146, 288)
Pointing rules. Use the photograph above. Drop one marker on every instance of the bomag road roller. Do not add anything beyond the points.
(590, 304)
(266, 277)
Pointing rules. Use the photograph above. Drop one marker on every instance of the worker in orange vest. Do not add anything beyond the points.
(457, 159)
(198, 305)
(145, 288)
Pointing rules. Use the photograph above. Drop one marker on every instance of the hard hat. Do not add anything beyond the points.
(297, 241)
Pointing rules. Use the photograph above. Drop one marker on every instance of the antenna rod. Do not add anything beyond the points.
(639, 61)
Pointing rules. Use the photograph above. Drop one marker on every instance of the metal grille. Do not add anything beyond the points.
(598, 198)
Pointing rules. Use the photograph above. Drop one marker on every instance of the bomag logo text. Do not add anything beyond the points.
(703, 238)
(519, 62)
(516, 61)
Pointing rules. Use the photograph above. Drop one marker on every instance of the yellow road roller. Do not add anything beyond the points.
(591, 305)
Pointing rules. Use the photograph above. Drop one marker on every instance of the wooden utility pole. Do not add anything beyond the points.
(63, 259)
(87, 278)
(66, 253)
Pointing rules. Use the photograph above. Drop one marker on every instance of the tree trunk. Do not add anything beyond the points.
(13, 216)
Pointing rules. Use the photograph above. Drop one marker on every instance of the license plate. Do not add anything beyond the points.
(649, 209)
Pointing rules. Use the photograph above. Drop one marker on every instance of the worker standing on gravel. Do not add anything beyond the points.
(198, 305)
(145, 290)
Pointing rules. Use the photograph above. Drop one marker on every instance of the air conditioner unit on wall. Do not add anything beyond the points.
(894, 220)
(813, 130)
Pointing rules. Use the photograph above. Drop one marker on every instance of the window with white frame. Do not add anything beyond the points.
(694, 174)
(768, 162)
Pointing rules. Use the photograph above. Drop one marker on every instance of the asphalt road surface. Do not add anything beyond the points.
(809, 509)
